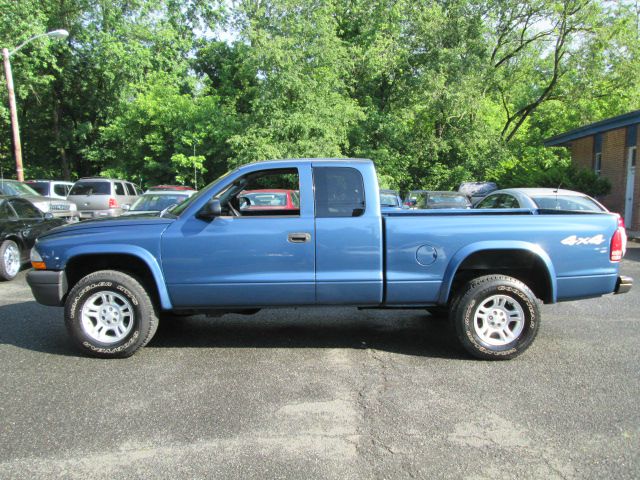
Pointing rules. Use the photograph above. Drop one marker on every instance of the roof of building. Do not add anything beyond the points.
(612, 123)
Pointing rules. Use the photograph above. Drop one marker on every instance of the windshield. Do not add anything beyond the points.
(11, 187)
(178, 209)
(388, 200)
(157, 203)
(436, 199)
(91, 188)
(567, 202)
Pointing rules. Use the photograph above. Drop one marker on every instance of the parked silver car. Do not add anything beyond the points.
(58, 207)
(102, 197)
(51, 188)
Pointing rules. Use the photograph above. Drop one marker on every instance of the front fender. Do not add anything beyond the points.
(120, 249)
(464, 253)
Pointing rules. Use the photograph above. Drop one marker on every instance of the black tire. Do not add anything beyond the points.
(483, 334)
(129, 295)
(5, 270)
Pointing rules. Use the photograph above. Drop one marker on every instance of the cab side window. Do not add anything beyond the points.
(263, 193)
(339, 192)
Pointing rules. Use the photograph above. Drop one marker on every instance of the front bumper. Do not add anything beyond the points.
(48, 287)
(623, 285)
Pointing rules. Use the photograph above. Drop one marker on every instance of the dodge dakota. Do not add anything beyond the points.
(214, 253)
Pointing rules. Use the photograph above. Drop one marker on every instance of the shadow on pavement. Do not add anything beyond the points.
(409, 333)
(30, 326)
(633, 252)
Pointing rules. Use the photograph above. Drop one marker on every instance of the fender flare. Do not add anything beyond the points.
(124, 249)
(464, 253)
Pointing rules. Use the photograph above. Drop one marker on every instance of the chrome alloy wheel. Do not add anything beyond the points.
(107, 317)
(11, 259)
(498, 320)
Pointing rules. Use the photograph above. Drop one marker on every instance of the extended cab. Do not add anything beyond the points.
(489, 269)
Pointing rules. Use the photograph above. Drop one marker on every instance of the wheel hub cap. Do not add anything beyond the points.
(498, 320)
(12, 260)
(107, 317)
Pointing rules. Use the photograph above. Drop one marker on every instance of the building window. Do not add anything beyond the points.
(597, 163)
(597, 154)
(631, 141)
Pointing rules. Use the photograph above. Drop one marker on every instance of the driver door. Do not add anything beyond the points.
(260, 252)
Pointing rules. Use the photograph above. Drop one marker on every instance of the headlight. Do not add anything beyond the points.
(36, 260)
(72, 207)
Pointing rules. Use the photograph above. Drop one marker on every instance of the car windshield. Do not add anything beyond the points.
(567, 202)
(11, 187)
(157, 203)
(435, 199)
(438, 199)
(388, 200)
(178, 209)
(91, 188)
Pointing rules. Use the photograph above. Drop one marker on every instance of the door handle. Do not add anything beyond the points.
(299, 237)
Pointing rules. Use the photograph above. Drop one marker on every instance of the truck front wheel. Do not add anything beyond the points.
(496, 317)
(109, 314)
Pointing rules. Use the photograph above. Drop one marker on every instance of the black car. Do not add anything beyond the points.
(20, 224)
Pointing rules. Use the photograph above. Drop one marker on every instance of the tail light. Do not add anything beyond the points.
(113, 203)
(616, 250)
(620, 221)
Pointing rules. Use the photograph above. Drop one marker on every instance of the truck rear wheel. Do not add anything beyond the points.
(496, 317)
(109, 314)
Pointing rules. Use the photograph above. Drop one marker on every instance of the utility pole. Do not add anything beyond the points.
(15, 129)
(17, 146)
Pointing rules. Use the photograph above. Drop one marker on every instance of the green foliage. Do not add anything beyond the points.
(558, 175)
(434, 92)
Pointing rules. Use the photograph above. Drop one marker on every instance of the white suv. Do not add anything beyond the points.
(51, 188)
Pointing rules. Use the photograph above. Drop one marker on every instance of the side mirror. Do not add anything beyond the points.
(48, 216)
(126, 207)
(211, 210)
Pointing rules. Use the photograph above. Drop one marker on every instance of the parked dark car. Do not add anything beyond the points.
(20, 224)
(427, 199)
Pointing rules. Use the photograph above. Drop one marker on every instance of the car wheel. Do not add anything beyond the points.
(9, 260)
(496, 317)
(109, 314)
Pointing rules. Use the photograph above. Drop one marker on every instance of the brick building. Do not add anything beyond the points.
(610, 148)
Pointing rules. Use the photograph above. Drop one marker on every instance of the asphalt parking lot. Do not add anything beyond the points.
(323, 393)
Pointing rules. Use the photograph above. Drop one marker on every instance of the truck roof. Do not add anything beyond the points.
(290, 162)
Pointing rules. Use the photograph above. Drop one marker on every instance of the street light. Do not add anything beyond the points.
(17, 148)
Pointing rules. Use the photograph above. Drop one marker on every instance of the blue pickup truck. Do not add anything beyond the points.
(227, 250)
